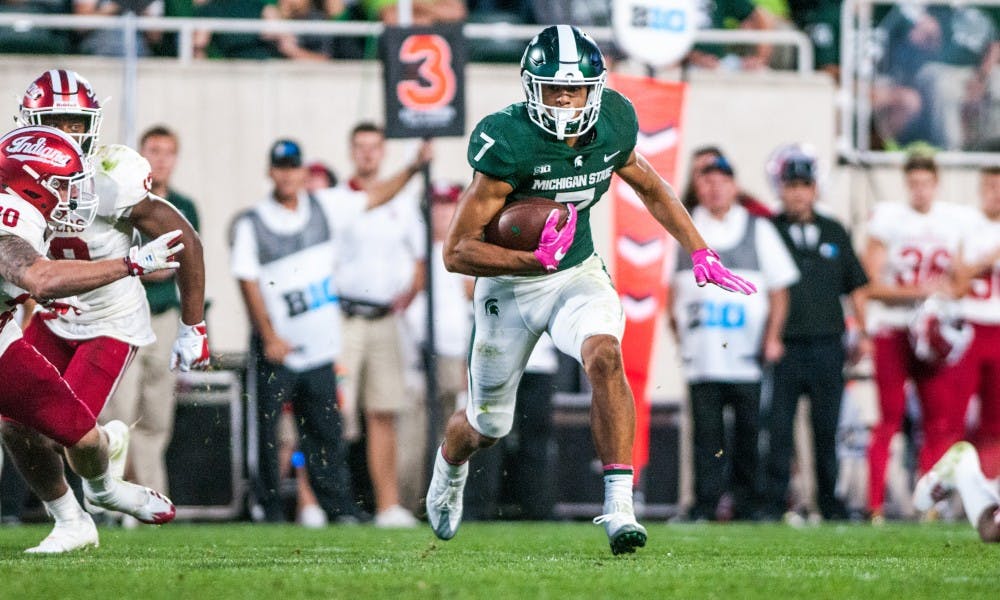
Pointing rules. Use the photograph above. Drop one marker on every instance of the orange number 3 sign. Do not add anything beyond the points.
(438, 85)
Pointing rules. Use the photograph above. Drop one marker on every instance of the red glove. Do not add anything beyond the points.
(708, 269)
(190, 348)
(554, 243)
(154, 256)
(62, 306)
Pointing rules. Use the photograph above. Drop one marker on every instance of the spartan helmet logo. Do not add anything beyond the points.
(578, 163)
(492, 307)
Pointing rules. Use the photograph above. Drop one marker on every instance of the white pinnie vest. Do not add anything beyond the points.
(721, 332)
(297, 283)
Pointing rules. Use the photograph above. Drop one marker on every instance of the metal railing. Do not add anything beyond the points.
(129, 24)
(185, 28)
(859, 53)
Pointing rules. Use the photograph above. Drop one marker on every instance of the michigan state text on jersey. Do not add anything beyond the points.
(509, 146)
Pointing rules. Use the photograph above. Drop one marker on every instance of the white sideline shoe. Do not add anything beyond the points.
(625, 534)
(938, 483)
(312, 516)
(149, 506)
(395, 517)
(444, 499)
(67, 536)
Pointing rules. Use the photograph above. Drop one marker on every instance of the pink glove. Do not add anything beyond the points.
(554, 243)
(708, 269)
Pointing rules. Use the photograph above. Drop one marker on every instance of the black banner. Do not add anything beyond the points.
(424, 76)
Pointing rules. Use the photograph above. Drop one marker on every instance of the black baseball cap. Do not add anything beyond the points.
(798, 168)
(286, 153)
(720, 164)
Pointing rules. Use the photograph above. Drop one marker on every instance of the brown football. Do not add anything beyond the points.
(518, 225)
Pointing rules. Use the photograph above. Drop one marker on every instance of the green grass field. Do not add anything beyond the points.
(509, 560)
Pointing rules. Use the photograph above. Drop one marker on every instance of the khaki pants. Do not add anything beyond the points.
(145, 400)
(411, 426)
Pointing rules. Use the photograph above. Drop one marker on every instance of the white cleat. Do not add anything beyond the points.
(118, 438)
(444, 500)
(625, 534)
(146, 505)
(938, 483)
(66, 536)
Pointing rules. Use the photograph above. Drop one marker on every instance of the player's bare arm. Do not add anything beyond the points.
(385, 190)
(275, 348)
(45, 279)
(874, 261)
(661, 201)
(416, 286)
(965, 272)
(154, 217)
(464, 249)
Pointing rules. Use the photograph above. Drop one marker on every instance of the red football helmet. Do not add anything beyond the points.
(938, 334)
(63, 92)
(46, 168)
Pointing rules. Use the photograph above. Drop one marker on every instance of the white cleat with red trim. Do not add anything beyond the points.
(66, 536)
(143, 503)
(146, 505)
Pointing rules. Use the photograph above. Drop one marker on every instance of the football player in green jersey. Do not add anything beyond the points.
(563, 143)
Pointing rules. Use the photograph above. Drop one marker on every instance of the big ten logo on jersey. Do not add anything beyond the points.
(719, 315)
(9, 216)
(315, 295)
(914, 265)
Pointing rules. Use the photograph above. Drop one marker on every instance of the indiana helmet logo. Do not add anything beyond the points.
(493, 307)
(31, 148)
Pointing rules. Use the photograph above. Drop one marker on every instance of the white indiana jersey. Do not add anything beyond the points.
(982, 303)
(118, 310)
(20, 219)
(920, 247)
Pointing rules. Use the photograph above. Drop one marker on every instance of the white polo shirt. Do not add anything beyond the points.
(377, 251)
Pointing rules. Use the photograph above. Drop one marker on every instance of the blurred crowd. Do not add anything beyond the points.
(935, 65)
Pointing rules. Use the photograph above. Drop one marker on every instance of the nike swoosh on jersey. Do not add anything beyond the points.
(608, 157)
(559, 255)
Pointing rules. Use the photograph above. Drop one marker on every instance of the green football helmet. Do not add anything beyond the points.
(563, 55)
